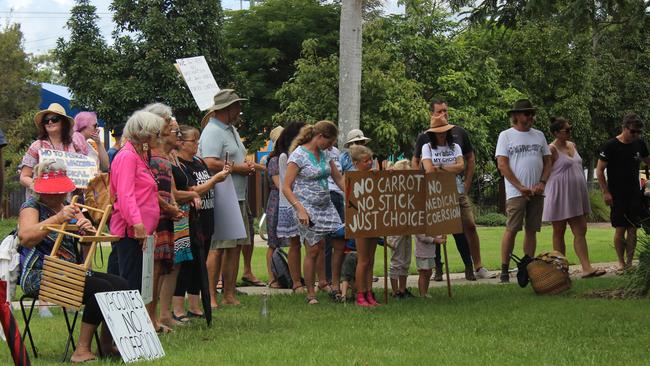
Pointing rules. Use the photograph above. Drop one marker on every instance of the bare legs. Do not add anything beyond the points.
(423, 281)
(213, 264)
(167, 288)
(294, 261)
(83, 352)
(313, 252)
(365, 258)
(337, 260)
(247, 252)
(625, 245)
(229, 271)
(578, 226)
(151, 307)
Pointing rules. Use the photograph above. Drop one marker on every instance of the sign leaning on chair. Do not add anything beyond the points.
(129, 323)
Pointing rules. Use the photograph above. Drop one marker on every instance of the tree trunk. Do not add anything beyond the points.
(349, 68)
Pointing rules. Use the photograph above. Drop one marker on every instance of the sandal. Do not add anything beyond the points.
(191, 314)
(595, 273)
(312, 300)
(325, 288)
(181, 318)
(256, 283)
(337, 296)
(163, 329)
(299, 290)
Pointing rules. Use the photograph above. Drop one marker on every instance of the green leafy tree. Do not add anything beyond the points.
(18, 99)
(17, 93)
(46, 68)
(139, 67)
(264, 42)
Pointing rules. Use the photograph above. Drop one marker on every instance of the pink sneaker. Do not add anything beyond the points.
(361, 300)
(370, 298)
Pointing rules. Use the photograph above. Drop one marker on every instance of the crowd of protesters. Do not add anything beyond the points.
(163, 177)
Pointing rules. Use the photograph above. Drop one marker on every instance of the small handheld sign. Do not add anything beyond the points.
(130, 325)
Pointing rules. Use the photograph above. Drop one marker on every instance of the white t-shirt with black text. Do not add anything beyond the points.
(444, 155)
(525, 152)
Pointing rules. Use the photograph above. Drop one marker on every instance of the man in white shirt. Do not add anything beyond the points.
(524, 160)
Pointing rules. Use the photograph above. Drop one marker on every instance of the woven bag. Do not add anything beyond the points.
(549, 273)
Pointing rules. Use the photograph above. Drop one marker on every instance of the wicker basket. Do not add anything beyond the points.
(548, 278)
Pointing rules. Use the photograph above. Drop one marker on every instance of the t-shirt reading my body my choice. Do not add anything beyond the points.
(525, 152)
(444, 155)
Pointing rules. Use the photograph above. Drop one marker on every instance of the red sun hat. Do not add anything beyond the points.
(56, 182)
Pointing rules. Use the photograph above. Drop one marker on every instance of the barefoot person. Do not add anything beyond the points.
(567, 200)
(621, 157)
(48, 205)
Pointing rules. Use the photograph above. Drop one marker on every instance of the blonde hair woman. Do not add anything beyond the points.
(305, 187)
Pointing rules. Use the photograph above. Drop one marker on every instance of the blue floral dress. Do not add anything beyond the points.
(312, 191)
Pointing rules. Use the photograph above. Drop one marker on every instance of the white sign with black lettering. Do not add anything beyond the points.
(129, 323)
(80, 168)
(199, 79)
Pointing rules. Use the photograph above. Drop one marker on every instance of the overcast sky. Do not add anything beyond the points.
(43, 21)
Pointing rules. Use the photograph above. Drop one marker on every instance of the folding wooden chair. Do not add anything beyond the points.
(63, 282)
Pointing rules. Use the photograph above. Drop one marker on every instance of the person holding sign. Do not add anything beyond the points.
(524, 160)
(361, 157)
(48, 206)
(218, 142)
(136, 210)
(54, 128)
(309, 167)
(442, 154)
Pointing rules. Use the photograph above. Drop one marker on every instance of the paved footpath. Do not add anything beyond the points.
(412, 281)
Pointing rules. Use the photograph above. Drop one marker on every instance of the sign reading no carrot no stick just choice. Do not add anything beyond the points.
(400, 202)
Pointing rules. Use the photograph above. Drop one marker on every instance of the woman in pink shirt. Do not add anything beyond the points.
(136, 211)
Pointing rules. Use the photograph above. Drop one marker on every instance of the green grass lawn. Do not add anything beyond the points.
(482, 324)
(599, 238)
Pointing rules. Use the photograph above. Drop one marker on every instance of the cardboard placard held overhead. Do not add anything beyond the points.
(80, 168)
(199, 79)
(400, 202)
(130, 325)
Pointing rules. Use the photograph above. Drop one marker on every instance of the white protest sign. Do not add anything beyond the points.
(199, 79)
(80, 168)
(228, 222)
(129, 323)
(147, 269)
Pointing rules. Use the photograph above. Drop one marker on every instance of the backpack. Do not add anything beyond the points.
(9, 262)
(280, 268)
(98, 195)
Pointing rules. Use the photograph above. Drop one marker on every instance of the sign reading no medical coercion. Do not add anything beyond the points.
(400, 202)
(80, 168)
(129, 323)
(199, 79)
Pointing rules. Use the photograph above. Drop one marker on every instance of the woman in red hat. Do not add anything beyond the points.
(49, 206)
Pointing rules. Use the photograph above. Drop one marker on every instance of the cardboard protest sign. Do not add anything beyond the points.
(129, 323)
(81, 168)
(400, 202)
(199, 79)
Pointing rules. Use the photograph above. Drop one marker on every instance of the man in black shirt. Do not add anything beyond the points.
(439, 107)
(621, 156)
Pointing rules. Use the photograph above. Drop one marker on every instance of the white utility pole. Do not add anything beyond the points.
(350, 67)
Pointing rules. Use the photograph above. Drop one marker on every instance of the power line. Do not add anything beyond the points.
(45, 12)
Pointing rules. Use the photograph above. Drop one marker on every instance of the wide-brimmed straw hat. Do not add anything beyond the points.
(355, 135)
(56, 182)
(439, 124)
(55, 108)
(223, 99)
(275, 133)
(522, 105)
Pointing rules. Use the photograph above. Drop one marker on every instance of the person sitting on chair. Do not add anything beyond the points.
(49, 206)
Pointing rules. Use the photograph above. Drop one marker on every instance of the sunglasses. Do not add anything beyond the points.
(177, 133)
(635, 132)
(567, 130)
(529, 113)
(53, 119)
